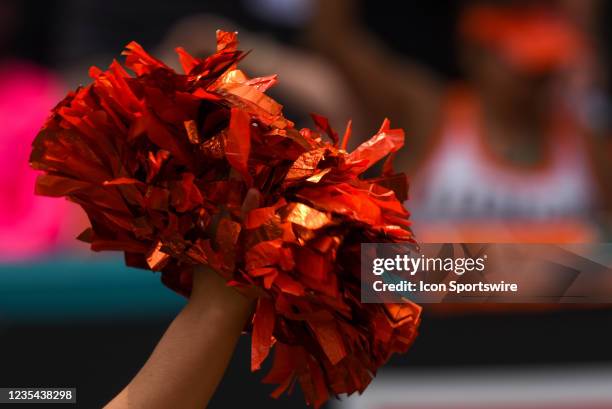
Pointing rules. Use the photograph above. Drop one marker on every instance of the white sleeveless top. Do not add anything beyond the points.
(462, 183)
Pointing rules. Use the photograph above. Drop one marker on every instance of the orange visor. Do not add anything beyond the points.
(532, 39)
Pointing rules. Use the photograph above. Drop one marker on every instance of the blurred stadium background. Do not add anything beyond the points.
(72, 318)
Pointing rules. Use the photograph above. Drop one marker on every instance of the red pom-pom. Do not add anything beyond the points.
(201, 168)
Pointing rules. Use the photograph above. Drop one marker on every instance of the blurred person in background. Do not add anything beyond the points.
(501, 156)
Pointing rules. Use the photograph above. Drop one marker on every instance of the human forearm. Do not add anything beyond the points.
(190, 359)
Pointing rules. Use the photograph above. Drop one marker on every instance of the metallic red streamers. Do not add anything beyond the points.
(202, 168)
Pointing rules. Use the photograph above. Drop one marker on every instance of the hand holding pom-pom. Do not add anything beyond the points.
(181, 171)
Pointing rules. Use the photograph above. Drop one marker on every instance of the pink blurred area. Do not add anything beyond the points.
(30, 226)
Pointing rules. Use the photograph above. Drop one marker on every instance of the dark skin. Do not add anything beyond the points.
(517, 108)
